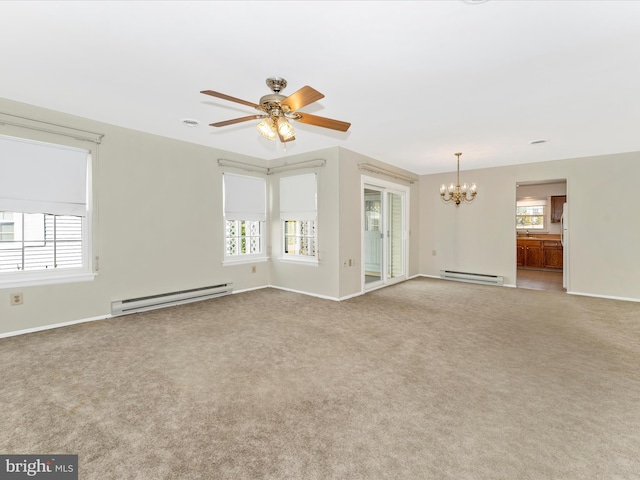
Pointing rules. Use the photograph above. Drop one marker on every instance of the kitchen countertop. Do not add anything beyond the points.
(539, 236)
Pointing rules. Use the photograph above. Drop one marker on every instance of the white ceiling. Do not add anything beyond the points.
(418, 80)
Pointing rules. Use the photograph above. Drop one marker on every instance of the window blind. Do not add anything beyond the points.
(532, 202)
(298, 197)
(244, 197)
(42, 177)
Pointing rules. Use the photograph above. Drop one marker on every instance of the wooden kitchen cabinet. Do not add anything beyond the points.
(556, 207)
(552, 254)
(541, 254)
(520, 255)
(532, 253)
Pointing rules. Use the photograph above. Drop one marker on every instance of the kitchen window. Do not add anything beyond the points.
(531, 214)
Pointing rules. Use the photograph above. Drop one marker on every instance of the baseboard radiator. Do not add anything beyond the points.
(142, 304)
(472, 277)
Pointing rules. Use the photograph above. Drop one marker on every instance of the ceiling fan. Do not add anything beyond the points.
(277, 110)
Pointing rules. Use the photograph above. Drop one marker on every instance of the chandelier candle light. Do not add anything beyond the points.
(456, 193)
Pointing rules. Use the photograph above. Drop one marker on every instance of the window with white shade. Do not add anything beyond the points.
(44, 211)
(298, 214)
(244, 216)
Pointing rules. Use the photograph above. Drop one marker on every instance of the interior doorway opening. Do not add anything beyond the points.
(542, 235)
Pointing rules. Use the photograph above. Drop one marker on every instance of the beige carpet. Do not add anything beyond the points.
(427, 379)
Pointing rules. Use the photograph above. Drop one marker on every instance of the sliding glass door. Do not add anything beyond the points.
(373, 235)
(384, 233)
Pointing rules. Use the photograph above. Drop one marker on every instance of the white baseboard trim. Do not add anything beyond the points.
(52, 326)
(249, 289)
(353, 295)
(325, 297)
(438, 277)
(608, 297)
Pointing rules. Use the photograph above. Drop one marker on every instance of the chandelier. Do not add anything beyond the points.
(456, 193)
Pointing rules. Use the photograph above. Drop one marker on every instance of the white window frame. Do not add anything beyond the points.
(243, 212)
(298, 202)
(27, 278)
(298, 257)
(534, 202)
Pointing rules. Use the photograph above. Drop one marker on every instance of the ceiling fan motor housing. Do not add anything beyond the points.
(276, 84)
(271, 104)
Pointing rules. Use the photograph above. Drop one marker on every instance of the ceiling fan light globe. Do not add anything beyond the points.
(285, 129)
(267, 129)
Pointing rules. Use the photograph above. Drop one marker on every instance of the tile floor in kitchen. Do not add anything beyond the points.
(539, 280)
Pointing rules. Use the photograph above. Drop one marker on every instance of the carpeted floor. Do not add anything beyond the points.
(427, 379)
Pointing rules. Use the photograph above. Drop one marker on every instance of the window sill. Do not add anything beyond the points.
(31, 280)
(243, 261)
(311, 262)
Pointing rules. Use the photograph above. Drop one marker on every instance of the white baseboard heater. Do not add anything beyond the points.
(472, 277)
(142, 304)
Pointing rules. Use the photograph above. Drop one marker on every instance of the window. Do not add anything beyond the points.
(300, 237)
(6, 226)
(44, 214)
(38, 241)
(244, 216)
(298, 213)
(243, 237)
(530, 214)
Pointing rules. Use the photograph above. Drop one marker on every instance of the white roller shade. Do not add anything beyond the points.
(298, 197)
(532, 202)
(38, 177)
(244, 198)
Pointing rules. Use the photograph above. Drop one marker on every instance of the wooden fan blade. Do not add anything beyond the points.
(322, 121)
(230, 98)
(302, 97)
(237, 120)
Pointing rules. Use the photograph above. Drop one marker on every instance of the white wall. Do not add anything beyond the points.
(159, 224)
(480, 237)
(321, 279)
(351, 218)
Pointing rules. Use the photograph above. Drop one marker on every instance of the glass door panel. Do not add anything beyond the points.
(384, 240)
(373, 237)
(395, 234)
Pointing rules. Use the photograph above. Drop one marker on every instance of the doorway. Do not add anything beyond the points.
(541, 249)
(384, 238)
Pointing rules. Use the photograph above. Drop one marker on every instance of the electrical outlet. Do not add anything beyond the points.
(253, 269)
(16, 298)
